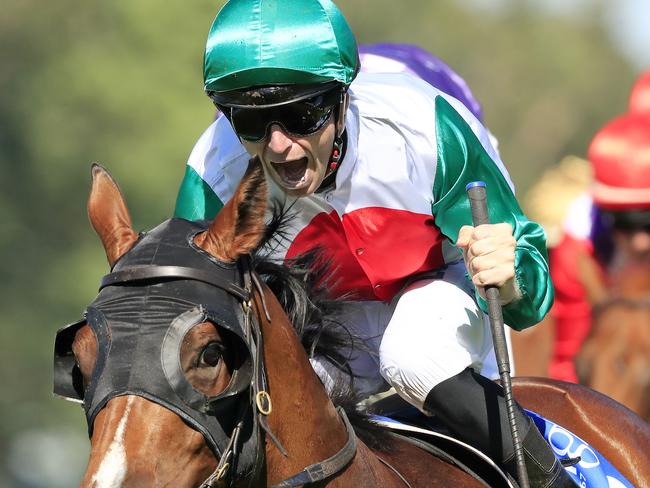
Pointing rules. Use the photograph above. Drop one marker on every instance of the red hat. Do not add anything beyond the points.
(620, 156)
(640, 96)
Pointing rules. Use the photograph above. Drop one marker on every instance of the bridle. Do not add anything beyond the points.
(259, 404)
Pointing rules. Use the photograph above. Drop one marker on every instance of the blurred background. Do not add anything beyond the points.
(120, 83)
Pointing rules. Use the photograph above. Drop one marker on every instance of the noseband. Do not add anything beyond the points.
(259, 401)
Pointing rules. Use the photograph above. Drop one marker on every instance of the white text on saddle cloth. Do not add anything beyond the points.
(593, 470)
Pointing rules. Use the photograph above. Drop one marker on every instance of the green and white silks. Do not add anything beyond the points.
(399, 198)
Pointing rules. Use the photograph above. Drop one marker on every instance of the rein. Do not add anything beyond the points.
(260, 400)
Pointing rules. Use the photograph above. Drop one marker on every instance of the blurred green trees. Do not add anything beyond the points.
(120, 83)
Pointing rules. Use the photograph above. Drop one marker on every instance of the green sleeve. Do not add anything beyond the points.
(196, 200)
(461, 160)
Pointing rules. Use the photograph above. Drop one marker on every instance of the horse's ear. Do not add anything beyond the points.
(109, 216)
(239, 227)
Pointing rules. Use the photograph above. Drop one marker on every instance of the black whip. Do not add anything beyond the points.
(476, 191)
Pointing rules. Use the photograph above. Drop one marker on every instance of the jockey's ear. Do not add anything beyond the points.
(109, 216)
(239, 227)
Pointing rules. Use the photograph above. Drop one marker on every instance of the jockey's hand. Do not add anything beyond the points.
(489, 254)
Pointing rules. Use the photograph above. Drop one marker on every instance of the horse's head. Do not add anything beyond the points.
(165, 354)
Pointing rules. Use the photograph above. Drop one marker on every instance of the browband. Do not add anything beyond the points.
(153, 272)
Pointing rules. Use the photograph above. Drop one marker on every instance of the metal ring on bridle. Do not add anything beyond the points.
(222, 471)
(263, 402)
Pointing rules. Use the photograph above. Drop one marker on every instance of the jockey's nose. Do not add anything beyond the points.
(278, 141)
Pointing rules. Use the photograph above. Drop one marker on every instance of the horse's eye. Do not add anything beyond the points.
(211, 355)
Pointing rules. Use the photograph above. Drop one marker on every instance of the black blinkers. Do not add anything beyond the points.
(154, 295)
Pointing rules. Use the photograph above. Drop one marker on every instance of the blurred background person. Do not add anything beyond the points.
(603, 234)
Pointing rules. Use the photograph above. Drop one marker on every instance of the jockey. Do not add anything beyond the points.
(604, 230)
(374, 166)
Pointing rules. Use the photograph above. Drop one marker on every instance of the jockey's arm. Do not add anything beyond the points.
(518, 260)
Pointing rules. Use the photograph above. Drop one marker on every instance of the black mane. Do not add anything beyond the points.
(301, 287)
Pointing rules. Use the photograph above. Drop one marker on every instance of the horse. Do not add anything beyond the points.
(615, 357)
(223, 393)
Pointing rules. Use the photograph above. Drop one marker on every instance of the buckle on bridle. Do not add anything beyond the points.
(221, 471)
(263, 402)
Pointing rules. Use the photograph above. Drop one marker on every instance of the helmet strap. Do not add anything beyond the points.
(338, 147)
(337, 150)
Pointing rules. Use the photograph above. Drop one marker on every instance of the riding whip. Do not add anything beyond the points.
(476, 192)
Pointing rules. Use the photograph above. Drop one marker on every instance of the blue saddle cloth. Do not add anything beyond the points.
(592, 471)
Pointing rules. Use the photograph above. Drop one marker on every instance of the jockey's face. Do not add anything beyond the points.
(633, 244)
(297, 164)
(631, 231)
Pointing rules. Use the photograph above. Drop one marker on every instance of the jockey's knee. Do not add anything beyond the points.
(436, 331)
(409, 373)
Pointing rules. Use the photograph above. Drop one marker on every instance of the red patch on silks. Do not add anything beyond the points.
(373, 250)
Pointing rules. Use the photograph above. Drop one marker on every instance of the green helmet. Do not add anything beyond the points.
(255, 43)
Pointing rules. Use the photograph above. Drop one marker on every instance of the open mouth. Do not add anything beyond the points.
(292, 173)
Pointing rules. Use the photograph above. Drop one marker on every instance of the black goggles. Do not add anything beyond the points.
(630, 220)
(300, 118)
